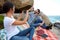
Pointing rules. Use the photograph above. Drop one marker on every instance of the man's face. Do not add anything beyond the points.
(36, 12)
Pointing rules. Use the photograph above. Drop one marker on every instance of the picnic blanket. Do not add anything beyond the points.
(51, 35)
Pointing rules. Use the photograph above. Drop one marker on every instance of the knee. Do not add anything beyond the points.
(33, 28)
(26, 38)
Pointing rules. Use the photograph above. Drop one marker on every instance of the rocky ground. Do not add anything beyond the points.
(56, 31)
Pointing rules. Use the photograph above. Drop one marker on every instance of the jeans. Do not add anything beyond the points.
(36, 23)
(23, 34)
(39, 21)
(19, 38)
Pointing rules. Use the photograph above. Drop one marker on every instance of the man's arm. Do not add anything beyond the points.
(35, 25)
(41, 24)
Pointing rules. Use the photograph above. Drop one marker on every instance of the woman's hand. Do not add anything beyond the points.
(20, 16)
(18, 22)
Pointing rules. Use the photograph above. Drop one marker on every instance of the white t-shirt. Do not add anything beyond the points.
(10, 29)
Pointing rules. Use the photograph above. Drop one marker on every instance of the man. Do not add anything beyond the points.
(35, 20)
(44, 18)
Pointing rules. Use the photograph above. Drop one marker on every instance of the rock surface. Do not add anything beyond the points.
(57, 25)
(56, 31)
(45, 18)
(19, 3)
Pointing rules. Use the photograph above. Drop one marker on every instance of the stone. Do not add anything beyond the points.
(45, 18)
(20, 4)
(1, 2)
(57, 24)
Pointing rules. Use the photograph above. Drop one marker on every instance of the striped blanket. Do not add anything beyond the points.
(51, 35)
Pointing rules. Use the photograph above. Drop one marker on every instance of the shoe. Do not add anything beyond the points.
(49, 27)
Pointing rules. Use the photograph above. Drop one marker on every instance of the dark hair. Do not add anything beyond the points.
(38, 10)
(6, 6)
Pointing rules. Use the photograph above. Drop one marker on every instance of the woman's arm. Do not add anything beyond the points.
(17, 22)
(20, 17)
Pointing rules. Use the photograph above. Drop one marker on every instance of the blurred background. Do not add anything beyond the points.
(49, 7)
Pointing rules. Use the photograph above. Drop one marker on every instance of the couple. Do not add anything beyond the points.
(10, 24)
(36, 20)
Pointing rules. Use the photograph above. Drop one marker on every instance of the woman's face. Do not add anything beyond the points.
(13, 10)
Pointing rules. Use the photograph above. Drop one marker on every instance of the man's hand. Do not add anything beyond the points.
(41, 24)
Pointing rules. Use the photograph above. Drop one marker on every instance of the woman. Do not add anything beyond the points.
(10, 24)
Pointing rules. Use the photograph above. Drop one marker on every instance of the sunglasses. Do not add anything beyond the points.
(36, 12)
